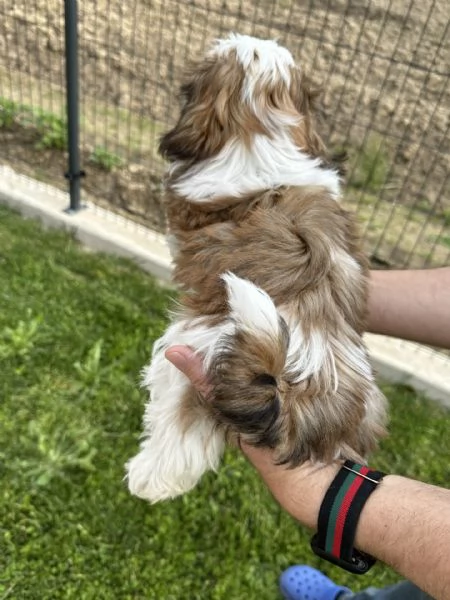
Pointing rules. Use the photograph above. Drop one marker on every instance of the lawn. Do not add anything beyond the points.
(75, 330)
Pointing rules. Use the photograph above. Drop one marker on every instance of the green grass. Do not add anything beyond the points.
(369, 165)
(8, 112)
(51, 130)
(104, 159)
(75, 330)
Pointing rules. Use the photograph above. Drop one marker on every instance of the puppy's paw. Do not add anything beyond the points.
(154, 477)
(172, 464)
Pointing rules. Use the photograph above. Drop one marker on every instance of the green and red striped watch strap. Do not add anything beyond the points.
(339, 514)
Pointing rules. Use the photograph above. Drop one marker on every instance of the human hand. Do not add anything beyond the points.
(299, 490)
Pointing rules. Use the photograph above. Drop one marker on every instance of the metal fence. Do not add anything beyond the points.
(384, 67)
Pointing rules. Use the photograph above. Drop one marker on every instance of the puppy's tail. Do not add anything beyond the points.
(248, 364)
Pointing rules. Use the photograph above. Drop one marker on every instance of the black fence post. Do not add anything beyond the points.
(74, 174)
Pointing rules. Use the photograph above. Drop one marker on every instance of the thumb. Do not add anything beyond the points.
(191, 364)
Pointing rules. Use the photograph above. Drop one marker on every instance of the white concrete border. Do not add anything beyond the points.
(395, 360)
(420, 367)
(98, 229)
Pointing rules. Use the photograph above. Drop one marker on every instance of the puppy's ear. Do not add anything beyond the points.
(304, 96)
(212, 112)
(177, 144)
(303, 91)
(199, 132)
(196, 136)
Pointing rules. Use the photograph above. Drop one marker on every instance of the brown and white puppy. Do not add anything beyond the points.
(273, 280)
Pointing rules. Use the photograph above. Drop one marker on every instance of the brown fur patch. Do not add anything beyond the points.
(248, 365)
(212, 114)
(282, 242)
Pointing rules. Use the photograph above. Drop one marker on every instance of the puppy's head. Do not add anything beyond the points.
(243, 87)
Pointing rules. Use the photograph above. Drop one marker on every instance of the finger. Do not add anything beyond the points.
(191, 364)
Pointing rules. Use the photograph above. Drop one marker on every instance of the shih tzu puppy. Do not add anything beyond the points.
(272, 276)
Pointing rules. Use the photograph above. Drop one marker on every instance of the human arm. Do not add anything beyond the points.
(411, 304)
(405, 523)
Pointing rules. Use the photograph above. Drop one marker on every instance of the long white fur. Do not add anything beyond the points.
(262, 60)
(307, 355)
(269, 163)
(250, 306)
(172, 460)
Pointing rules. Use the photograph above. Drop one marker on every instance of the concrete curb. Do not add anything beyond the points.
(96, 228)
(411, 364)
(101, 230)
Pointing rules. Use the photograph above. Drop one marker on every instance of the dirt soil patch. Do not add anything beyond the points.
(131, 190)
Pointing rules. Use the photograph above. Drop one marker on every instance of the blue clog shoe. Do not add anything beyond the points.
(301, 582)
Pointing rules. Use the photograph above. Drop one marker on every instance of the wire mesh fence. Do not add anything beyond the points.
(384, 68)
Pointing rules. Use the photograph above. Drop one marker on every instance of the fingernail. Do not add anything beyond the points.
(177, 359)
